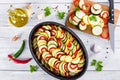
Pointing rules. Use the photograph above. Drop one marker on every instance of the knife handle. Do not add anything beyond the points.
(111, 11)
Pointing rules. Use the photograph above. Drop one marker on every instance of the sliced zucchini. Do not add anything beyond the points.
(82, 26)
(82, 59)
(97, 30)
(55, 51)
(93, 20)
(51, 46)
(74, 49)
(76, 60)
(72, 67)
(45, 34)
(41, 47)
(52, 43)
(85, 19)
(101, 22)
(53, 62)
(61, 68)
(64, 39)
(57, 55)
(81, 65)
(75, 42)
(48, 32)
(80, 14)
(50, 62)
(47, 27)
(58, 34)
(63, 47)
(44, 54)
(41, 42)
(68, 59)
(62, 58)
(73, 22)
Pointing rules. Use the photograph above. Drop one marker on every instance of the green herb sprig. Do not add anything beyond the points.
(47, 11)
(61, 15)
(33, 68)
(98, 65)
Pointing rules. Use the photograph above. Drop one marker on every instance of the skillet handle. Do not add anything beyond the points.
(111, 11)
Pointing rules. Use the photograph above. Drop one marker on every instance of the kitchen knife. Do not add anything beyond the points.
(111, 23)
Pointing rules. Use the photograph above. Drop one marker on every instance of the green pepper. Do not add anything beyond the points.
(17, 54)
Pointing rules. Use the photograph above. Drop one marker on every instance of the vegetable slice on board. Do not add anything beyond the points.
(105, 33)
(97, 30)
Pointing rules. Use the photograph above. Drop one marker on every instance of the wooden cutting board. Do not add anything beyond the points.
(89, 29)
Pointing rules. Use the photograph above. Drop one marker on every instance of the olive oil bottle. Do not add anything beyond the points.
(18, 17)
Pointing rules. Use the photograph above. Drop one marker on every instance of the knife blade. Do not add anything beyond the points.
(111, 23)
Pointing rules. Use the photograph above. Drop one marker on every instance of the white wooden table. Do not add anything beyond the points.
(12, 71)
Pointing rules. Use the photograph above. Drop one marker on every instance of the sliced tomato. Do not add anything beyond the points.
(105, 14)
(82, 57)
(72, 17)
(73, 66)
(69, 44)
(75, 2)
(65, 67)
(53, 27)
(68, 53)
(105, 20)
(59, 43)
(62, 35)
(82, 23)
(52, 48)
(51, 38)
(74, 55)
(53, 32)
(43, 49)
(42, 38)
(78, 50)
(105, 33)
(86, 7)
(56, 65)
(41, 29)
(59, 55)
(47, 58)
(73, 38)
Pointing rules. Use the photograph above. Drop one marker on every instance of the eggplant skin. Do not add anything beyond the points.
(95, 11)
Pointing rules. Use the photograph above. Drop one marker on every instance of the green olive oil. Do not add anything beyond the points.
(18, 17)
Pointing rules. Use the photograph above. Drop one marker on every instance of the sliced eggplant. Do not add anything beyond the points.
(96, 9)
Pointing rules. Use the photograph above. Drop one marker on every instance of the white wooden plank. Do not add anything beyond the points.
(47, 1)
(108, 61)
(34, 20)
(41, 75)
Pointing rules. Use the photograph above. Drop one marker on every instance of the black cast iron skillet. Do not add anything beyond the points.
(45, 69)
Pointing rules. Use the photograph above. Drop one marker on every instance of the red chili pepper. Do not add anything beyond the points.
(86, 7)
(72, 16)
(19, 61)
